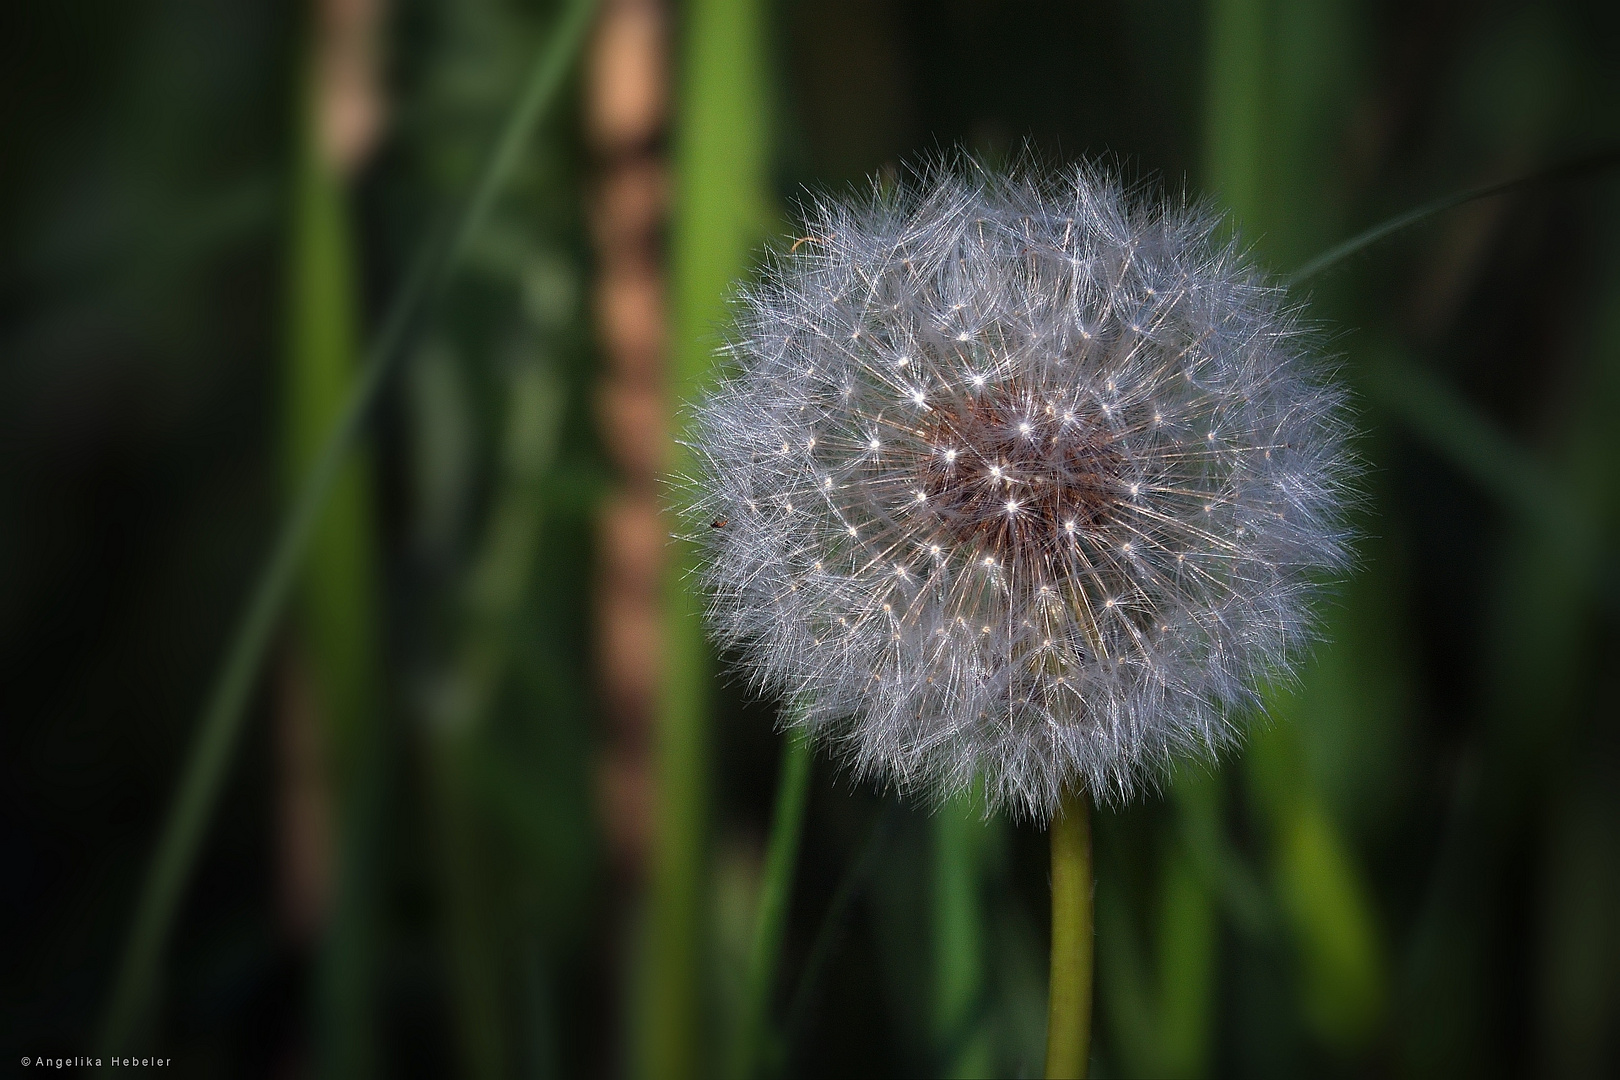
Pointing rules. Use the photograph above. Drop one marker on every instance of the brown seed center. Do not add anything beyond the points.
(1017, 475)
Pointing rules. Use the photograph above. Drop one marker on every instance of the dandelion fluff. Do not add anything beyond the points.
(1017, 478)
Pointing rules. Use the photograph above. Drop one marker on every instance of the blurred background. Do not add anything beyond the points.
(493, 811)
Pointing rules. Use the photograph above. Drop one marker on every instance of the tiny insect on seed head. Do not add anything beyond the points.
(1018, 477)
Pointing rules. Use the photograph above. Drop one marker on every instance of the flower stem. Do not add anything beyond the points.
(776, 890)
(1068, 1012)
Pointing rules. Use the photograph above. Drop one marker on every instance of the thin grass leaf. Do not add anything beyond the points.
(1585, 165)
(775, 895)
(833, 924)
(1472, 444)
(220, 726)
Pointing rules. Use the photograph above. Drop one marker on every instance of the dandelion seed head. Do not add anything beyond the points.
(1127, 475)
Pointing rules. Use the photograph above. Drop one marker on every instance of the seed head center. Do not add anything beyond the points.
(1016, 477)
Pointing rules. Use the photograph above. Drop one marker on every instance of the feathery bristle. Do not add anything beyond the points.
(1018, 479)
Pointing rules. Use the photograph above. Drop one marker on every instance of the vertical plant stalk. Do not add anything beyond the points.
(1234, 124)
(775, 897)
(1068, 1010)
(720, 209)
(472, 953)
(960, 836)
(1188, 934)
(213, 747)
(333, 639)
(335, 610)
(496, 588)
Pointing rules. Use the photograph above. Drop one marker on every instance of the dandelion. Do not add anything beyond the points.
(1020, 479)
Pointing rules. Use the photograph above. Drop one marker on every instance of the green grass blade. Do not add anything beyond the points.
(720, 160)
(336, 601)
(335, 623)
(1473, 445)
(217, 733)
(1269, 108)
(1584, 165)
(497, 587)
(1235, 105)
(775, 895)
(960, 838)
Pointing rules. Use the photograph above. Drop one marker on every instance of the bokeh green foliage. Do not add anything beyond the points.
(1413, 866)
(719, 165)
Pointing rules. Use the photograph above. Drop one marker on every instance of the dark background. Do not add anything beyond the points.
(1414, 870)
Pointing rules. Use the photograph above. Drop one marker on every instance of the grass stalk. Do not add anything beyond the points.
(135, 986)
(719, 158)
(1068, 1009)
(336, 609)
(775, 897)
(960, 835)
(1188, 935)
(336, 601)
(497, 586)
(1235, 120)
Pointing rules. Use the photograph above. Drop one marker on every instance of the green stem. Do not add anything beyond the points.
(960, 837)
(474, 954)
(1068, 1012)
(775, 894)
(720, 173)
(335, 614)
(221, 723)
(497, 587)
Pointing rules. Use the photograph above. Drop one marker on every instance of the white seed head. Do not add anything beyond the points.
(1085, 555)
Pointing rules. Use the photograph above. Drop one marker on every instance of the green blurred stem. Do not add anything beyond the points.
(1068, 1010)
(496, 589)
(1188, 935)
(335, 616)
(959, 840)
(213, 747)
(671, 1011)
(1234, 126)
(775, 896)
(336, 602)
(720, 171)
